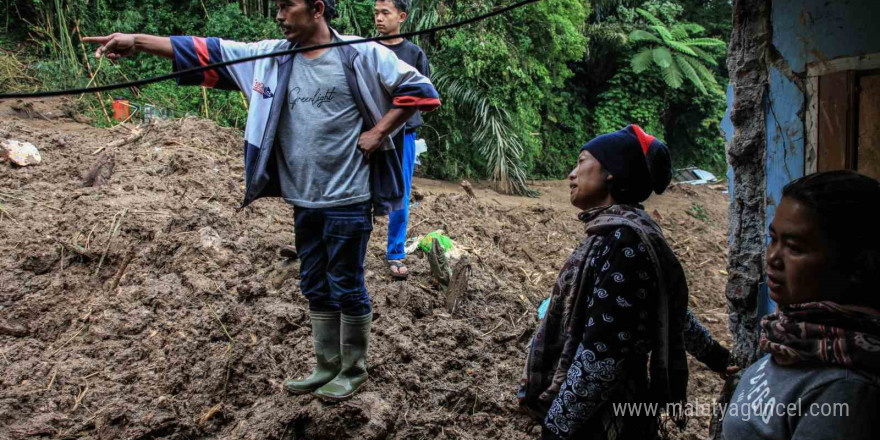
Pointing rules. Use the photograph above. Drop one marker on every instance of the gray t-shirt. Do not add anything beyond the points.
(802, 402)
(319, 163)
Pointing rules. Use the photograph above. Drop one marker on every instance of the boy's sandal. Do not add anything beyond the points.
(397, 264)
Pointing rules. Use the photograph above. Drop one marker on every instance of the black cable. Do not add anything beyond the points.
(165, 77)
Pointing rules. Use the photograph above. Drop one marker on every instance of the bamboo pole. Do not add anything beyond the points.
(205, 97)
(92, 74)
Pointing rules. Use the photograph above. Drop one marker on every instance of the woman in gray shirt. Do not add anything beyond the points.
(820, 378)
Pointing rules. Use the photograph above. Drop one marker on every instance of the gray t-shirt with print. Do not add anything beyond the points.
(815, 402)
(319, 164)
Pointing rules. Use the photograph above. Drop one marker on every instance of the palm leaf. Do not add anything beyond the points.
(690, 73)
(642, 60)
(663, 57)
(496, 141)
(642, 35)
(672, 75)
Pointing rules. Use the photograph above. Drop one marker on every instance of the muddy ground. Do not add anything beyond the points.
(147, 307)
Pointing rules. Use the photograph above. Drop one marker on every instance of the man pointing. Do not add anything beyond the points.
(318, 135)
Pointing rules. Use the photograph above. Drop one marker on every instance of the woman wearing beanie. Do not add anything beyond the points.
(820, 378)
(619, 297)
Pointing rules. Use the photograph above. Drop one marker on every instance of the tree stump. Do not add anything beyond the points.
(468, 188)
(439, 265)
(458, 285)
(101, 170)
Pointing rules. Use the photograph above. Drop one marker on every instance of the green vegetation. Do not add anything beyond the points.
(677, 54)
(698, 211)
(521, 92)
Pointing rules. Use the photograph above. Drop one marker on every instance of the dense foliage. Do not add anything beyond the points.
(521, 92)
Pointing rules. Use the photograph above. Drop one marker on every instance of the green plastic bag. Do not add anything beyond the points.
(425, 243)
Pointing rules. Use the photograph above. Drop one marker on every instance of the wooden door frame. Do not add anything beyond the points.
(859, 64)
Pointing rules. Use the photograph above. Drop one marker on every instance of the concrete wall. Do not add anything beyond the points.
(805, 32)
(745, 125)
(771, 46)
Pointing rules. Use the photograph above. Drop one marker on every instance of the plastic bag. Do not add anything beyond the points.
(542, 309)
(426, 242)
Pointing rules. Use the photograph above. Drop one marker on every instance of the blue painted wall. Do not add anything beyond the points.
(727, 129)
(785, 150)
(804, 31)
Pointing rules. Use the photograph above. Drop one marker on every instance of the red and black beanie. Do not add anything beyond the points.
(639, 162)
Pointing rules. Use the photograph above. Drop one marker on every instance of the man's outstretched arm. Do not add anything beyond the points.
(187, 52)
(115, 46)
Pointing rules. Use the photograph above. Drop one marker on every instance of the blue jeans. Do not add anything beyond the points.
(397, 220)
(332, 245)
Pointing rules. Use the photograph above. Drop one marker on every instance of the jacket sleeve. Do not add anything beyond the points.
(699, 343)
(618, 313)
(190, 52)
(406, 86)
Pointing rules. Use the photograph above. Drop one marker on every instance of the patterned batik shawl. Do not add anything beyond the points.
(560, 332)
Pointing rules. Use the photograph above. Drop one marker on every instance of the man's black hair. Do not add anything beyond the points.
(842, 203)
(401, 5)
(329, 8)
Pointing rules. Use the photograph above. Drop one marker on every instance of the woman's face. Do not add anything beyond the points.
(588, 183)
(799, 262)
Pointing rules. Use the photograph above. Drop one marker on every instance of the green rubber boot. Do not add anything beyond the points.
(325, 332)
(355, 340)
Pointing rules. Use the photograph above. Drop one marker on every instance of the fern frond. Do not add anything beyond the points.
(650, 17)
(690, 73)
(705, 42)
(642, 60)
(663, 57)
(642, 35)
(683, 48)
(672, 75)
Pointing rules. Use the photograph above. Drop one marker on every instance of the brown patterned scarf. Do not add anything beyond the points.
(826, 332)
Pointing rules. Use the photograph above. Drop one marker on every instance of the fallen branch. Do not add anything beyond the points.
(68, 341)
(129, 255)
(136, 136)
(528, 255)
(229, 351)
(76, 249)
(52, 380)
(419, 223)
(495, 328)
(209, 413)
(4, 211)
(80, 398)
(117, 223)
